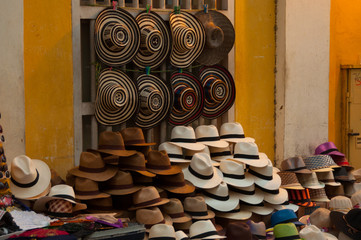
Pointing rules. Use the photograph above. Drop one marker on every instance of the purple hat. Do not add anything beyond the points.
(328, 148)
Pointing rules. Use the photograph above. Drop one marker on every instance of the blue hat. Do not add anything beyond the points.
(285, 216)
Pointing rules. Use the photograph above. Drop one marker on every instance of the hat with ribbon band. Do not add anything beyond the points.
(247, 153)
(185, 137)
(197, 208)
(175, 153)
(204, 229)
(158, 162)
(112, 143)
(174, 209)
(133, 136)
(286, 231)
(233, 174)
(151, 216)
(86, 189)
(121, 184)
(328, 148)
(233, 132)
(295, 164)
(208, 135)
(248, 194)
(235, 214)
(147, 197)
(220, 199)
(135, 163)
(162, 231)
(175, 183)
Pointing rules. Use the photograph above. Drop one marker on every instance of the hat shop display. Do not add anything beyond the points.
(185, 137)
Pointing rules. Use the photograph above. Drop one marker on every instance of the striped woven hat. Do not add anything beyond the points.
(219, 91)
(155, 40)
(300, 197)
(117, 98)
(117, 37)
(155, 101)
(188, 99)
(188, 39)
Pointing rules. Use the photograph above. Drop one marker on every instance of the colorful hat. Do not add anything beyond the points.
(238, 230)
(155, 101)
(235, 214)
(265, 178)
(147, 197)
(86, 189)
(233, 174)
(247, 153)
(318, 195)
(158, 162)
(220, 37)
(312, 232)
(112, 143)
(185, 137)
(174, 209)
(289, 180)
(327, 178)
(220, 199)
(342, 161)
(286, 231)
(208, 135)
(340, 204)
(295, 164)
(117, 37)
(257, 229)
(219, 154)
(121, 184)
(135, 163)
(188, 99)
(197, 208)
(310, 181)
(320, 163)
(175, 183)
(204, 229)
(300, 197)
(161, 231)
(188, 39)
(175, 153)
(285, 216)
(155, 40)
(219, 91)
(133, 136)
(233, 132)
(349, 224)
(117, 98)
(328, 148)
(248, 194)
(321, 218)
(151, 216)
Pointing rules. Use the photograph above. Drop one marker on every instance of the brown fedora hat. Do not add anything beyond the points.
(92, 166)
(147, 197)
(87, 189)
(121, 184)
(135, 163)
(197, 208)
(175, 183)
(159, 163)
(183, 226)
(103, 205)
(134, 136)
(295, 164)
(175, 210)
(151, 216)
(112, 143)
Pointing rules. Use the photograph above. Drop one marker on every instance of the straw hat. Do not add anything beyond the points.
(174, 209)
(92, 166)
(188, 39)
(161, 231)
(219, 154)
(117, 98)
(260, 208)
(235, 214)
(133, 136)
(319, 195)
(185, 137)
(62, 192)
(247, 153)
(233, 174)
(312, 232)
(175, 183)
(86, 189)
(201, 173)
(159, 163)
(155, 101)
(175, 153)
(29, 177)
(220, 37)
(121, 184)
(155, 40)
(356, 199)
(295, 164)
(340, 204)
(289, 180)
(151, 216)
(248, 194)
(310, 181)
(135, 163)
(180, 235)
(117, 37)
(147, 197)
(219, 91)
(208, 135)
(284, 205)
(204, 229)
(277, 196)
(219, 198)
(233, 132)
(327, 178)
(188, 97)
(264, 177)
(197, 208)
(321, 218)
(112, 143)
(188, 154)
(286, 231)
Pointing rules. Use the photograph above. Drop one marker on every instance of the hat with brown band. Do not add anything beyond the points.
(92, 166)
(197, 208)
(134, 136)
(113, 143)
(86, 189)
(159, 163)
(162, 231)
(101, 205)
(135, 163)
(147, 197)
(183, 226)
(152, 216)
(121, 184)
(175, 183)
(175, 210)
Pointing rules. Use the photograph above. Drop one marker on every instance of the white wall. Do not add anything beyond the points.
(12, 77)
(302, 76)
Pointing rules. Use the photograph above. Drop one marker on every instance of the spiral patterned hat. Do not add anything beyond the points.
(188, 39)
(188, 99)
(117, 98)
(117, 37)
(155, 101)
(219, 91)
(155, 40)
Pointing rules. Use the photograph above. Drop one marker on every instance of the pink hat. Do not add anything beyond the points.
(328, 148)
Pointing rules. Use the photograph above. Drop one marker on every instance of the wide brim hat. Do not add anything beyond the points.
(117, 37)
(279, 198)
(236, 214)
(155, 101)
(273, 184)
(91, 196)
(220, 37)
(219, 91)
(204, 183)
(256, 196)
(281, 206)
(188, 39)
(156, 40)
(108, 173)
(188, 187)
(222, 205)
(204, 230)
(261, 161)
(117, 98)
(259, 209)
(246, 182)
(188, 100)
(39, 187)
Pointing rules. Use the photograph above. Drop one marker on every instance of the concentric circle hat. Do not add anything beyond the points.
(155, 100)
(219, 91)
(117, 37)
(220, 37)
(155, 40)
(117, 98)
(188, 39)
(188, 100)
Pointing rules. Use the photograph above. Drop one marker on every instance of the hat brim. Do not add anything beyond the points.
(279, 198)
(318, 185)
(241, 215)
(302, 171)
(187, 188)
(179, 160)
(293, 186)
(40, 204)
(215, 237)
(327, 169)
(256, 198)
(190, 146)
(210, 215)
(237, 140)
(329, 236)
(123, 191)
(246, 182)
(265, 210)
(217, 144)
(336, 153)
(161, 202)
(320, 199)
(261, 162)
(204, 183)
(335, 184)
(221, 158)
(95, 196)
(144, 173)
(291, 206)
(108, 173)
(120, 153)
(224, 206)
(185, 218)
(273, 184)
(173, 170)
(40, 188)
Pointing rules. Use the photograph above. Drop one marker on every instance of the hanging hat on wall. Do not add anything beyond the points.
(117, 98)
(117, 37)
(188, 39)
(155, 101)
(219, 91)
(220, 37)
(155, 40)
(188, 99)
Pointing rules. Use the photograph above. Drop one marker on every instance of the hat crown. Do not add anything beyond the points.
(116, 36)
(221, 190)
(340, 203)
(85, 184)
(292, 163)
(161, 231)
(145, 194)
(151, 40)
(204, 131)
(319, 161)
(23, 169)
(151, 215)
(200, 227)
(201, 163)
(257, 228)
(282, 216)
(108, 138)
(133, 135)
(265, 171)
(184, 38)
(325, 176)
(321, 217)
(309, 180)
(180, 235)
(121, 178)
(61, 189)
(185, 132)
(248, 148)
(312, 232)
(215, 35)
(195, 204)
(158, 158)
(115, 98)
(185, 98)
(215, 90)
(238, 230)
(231, 128)
(288, 178)
(91, 160)
(170, 148)
(231, 167)
(137, 160)
(173, 206)
(151, 100)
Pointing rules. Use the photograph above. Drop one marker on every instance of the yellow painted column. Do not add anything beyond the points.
(48, 74)
(254, 70)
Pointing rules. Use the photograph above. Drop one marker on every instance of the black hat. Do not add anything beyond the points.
(349, 224)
